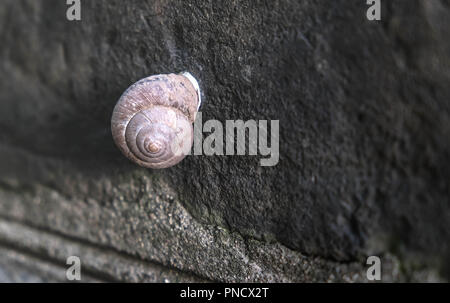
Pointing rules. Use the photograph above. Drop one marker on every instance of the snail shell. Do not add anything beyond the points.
(152, 121)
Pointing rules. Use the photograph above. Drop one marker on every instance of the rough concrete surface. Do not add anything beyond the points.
(364, 141)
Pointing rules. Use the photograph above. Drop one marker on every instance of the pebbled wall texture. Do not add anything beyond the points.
(364, 111)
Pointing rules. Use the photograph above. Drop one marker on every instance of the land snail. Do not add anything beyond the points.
(152, 121)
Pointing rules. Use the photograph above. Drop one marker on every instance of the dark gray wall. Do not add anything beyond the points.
(364, 140)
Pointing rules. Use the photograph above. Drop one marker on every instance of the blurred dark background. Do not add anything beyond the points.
(364, 141)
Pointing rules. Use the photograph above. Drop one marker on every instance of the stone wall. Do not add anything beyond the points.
(364, 141)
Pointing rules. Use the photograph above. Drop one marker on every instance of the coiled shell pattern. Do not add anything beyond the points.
(152, 121)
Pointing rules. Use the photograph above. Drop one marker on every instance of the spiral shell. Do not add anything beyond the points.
(152, 121)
